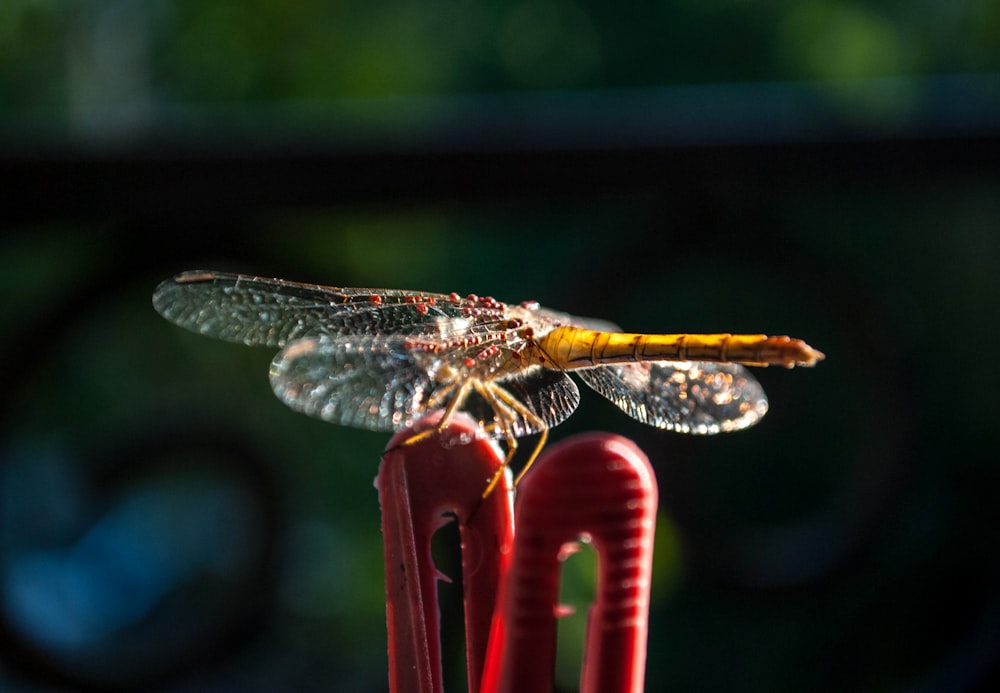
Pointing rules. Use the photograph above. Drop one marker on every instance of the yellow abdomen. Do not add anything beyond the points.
(576, 347)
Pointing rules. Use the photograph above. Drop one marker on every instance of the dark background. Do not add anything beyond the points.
(825, 170)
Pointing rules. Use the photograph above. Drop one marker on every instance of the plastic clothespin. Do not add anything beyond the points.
(602, 486)
(417, 484)
(597, 485)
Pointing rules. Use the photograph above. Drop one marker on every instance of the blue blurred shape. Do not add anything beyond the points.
(157, 539)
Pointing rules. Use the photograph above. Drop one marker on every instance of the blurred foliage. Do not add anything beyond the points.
(62, 55)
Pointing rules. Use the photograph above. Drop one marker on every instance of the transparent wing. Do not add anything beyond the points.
(688, 397)
(593, 324)
(365, 382)
(550, 394)
(379, 383)
(272, 312)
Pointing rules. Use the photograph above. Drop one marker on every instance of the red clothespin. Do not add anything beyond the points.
(600, 486)
(417, 484)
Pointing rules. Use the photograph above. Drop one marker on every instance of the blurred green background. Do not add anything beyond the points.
(820, 169)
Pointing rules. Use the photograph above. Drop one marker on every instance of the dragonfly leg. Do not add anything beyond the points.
(438, 396)
(503, 422)
(504, 405)
(456, 401)
(506, 408)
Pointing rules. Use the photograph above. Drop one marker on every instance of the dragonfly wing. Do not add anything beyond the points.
(550, 394)
(272, 312)
(594, 324)
(365, 382)
(688, 397)
(380, 383)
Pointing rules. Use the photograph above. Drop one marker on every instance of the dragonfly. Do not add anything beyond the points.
(380, 359)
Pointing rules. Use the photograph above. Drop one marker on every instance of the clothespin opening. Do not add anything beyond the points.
(419, 484)
(600, 485)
